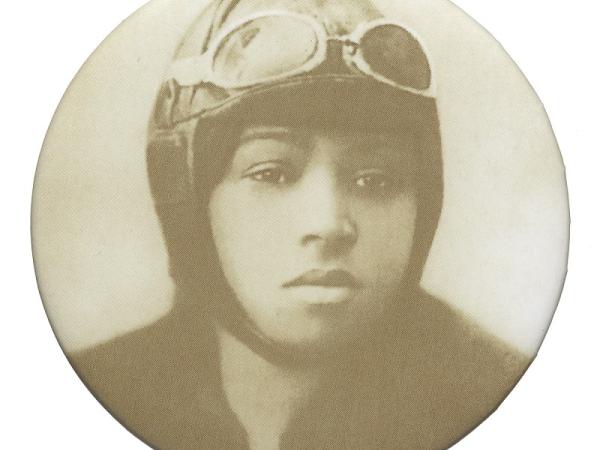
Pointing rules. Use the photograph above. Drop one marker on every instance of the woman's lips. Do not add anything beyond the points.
(325, 278)
(324, 287)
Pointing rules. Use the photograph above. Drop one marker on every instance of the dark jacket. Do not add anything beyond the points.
(437, 379)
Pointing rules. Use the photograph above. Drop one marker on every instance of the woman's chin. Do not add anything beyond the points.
(329, 331)
(322, 343)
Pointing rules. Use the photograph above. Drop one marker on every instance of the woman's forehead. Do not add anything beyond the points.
(356, 142)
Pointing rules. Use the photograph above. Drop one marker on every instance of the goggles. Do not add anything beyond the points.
(270, 47)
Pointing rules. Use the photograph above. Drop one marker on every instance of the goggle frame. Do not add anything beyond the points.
(199, 70)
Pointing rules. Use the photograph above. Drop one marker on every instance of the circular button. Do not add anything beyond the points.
(191, 212)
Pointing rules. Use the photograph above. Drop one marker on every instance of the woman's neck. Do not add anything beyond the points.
(264, 396)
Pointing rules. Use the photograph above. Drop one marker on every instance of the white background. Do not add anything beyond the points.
(553, 407)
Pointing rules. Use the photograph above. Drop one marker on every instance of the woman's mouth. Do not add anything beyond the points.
(325, 278)
(325, 287)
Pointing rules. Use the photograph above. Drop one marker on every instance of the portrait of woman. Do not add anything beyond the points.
(294, 157)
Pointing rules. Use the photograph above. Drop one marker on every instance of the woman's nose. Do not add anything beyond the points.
(325, 214)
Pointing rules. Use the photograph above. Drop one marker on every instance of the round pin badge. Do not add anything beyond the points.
(300, 224)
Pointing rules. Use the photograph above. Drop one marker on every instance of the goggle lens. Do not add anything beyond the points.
(264, 48)
(392, 52)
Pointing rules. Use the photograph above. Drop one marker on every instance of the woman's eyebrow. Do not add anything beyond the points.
(378, 139)
(271, 132)
(392, 148)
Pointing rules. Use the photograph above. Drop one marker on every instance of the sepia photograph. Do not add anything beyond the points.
(286, 224)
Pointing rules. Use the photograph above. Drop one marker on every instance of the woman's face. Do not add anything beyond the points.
(314, 229)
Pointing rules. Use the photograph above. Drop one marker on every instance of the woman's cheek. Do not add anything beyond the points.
(249, 231)
(386, 239)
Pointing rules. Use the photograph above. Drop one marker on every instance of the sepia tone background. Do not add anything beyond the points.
(500, 251)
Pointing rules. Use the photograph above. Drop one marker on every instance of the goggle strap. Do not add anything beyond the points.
(222, 11)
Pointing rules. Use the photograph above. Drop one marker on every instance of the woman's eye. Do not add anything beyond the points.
(267, 174)
(375, 181)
